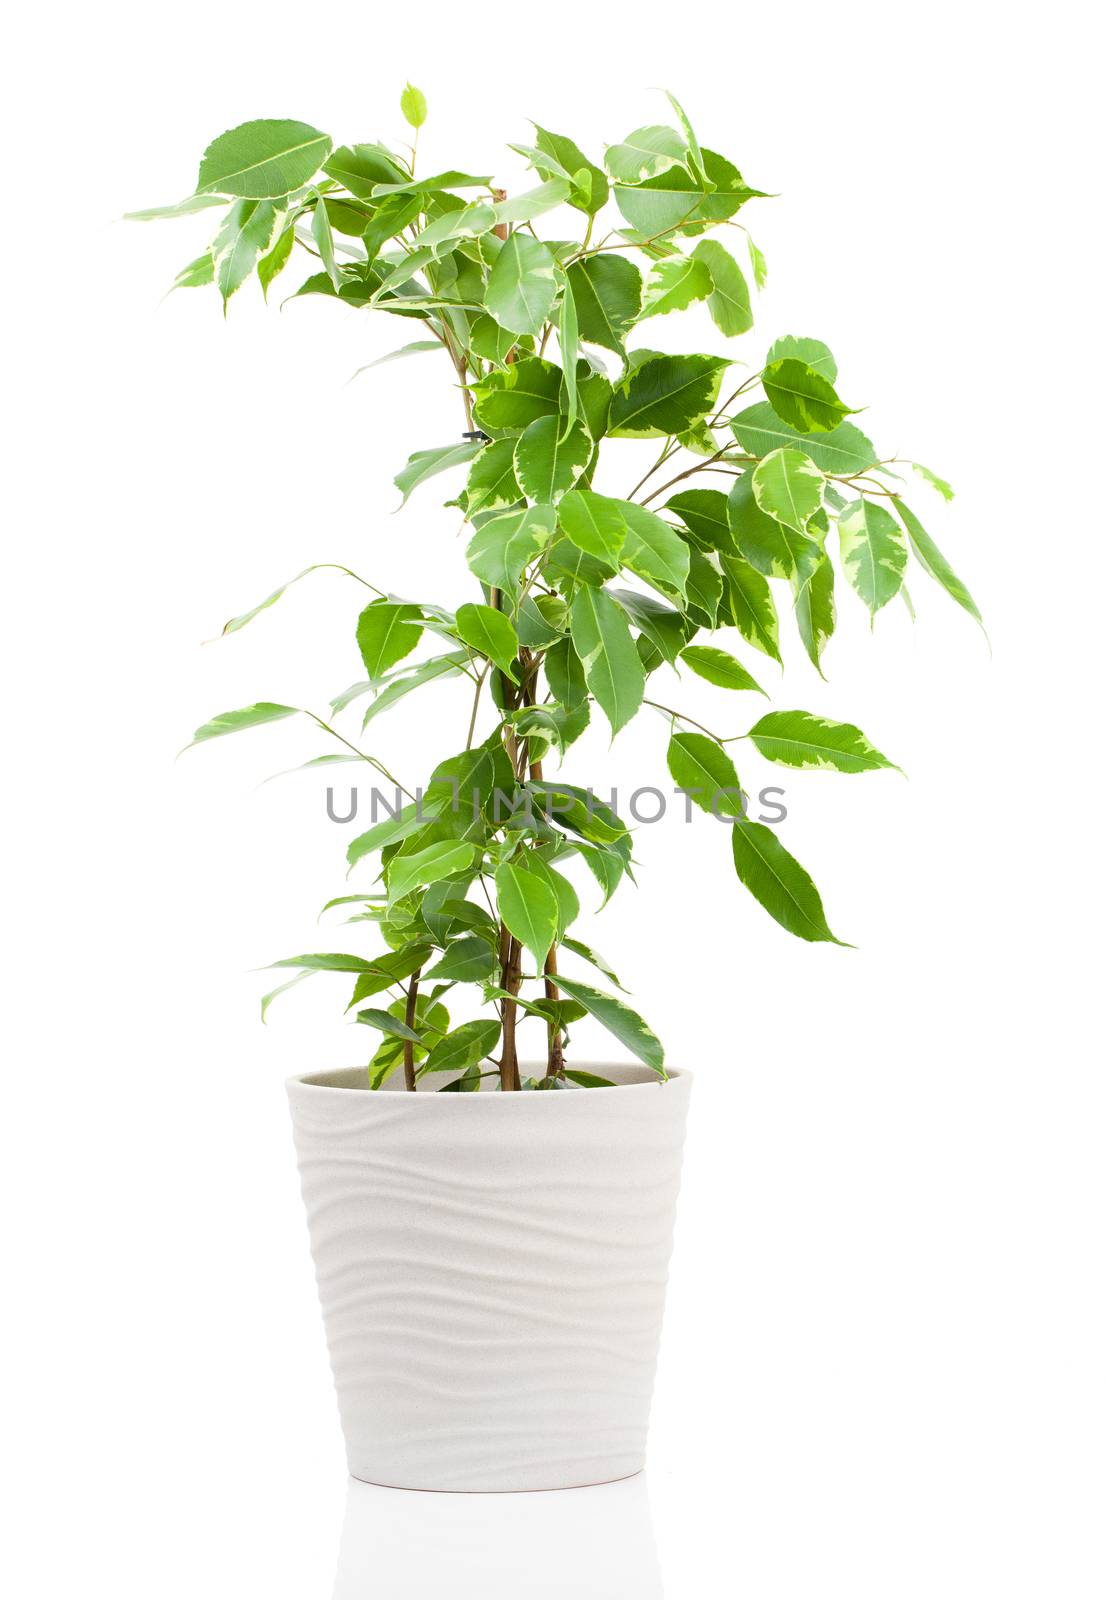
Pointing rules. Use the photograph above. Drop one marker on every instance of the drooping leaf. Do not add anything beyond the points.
(547, 462)
(387, 632)
(276, 259)
(815, 609)
(703, 513)
(873, 552)
(653, 549)
(943, 488)
(325, 962)
(235, 721)
(612, 667)
(775, 878)
(267, 999)
(586, 953)
(590, 196)
(522, 285)
(534, 203)
(800, 739)
(719, 667)
(607, 291)
(788, 486)
(361, 167)
(198, 273)
(385, 1022)
(507, 402)
(934, 562)
(426, 464)
(568, 337)
(243, 235)
(183, 208)
(728, 302)
(676, 199)
(468, 960)
(491, 634)
(435, 184)
(843, 451)
(262, 160)
(702, 770)
(389, 968)
(751, 607)
(617, 1017)
(528, 907)
(757, 262)
(568, 904)
(445, 666)
(665, 395)
(664, 630)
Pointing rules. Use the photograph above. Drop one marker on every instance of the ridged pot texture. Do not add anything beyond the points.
(492, 1272)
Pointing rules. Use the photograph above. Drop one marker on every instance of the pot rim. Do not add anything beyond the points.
(314, 1081)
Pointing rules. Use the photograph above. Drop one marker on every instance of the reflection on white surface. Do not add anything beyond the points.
(575, 1544)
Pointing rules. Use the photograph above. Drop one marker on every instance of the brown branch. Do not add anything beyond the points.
(409, 1019)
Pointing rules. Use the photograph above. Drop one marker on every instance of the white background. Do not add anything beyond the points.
(883, 1363)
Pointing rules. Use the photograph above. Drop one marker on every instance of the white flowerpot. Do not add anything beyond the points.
(492, 1272)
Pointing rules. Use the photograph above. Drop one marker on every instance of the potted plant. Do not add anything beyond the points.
(491, 1233)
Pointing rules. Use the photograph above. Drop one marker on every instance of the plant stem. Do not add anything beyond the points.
(409, 1017)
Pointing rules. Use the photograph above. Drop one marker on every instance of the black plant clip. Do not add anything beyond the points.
(484, 438)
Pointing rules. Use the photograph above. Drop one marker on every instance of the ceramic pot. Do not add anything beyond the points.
(492, 1272)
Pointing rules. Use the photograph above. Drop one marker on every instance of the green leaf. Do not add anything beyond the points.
(776, 879)
(320, 232)
(674, 284)
(702, 769)
(361, 167)
(327, 962)
(426, 464)
(568, 337)
(612, 666)
(534, 202)
(528, 907)
(770, 546)
(788, 486)
(757, 262)
(703, 513)
(665, 395)
(934, 562)
(387, 632)
(384, 1022)
(588, 1080)
(665, 630)
(645, 153)
(262, 160)
(695, 154)
(653, 549)
(607, 292)
(571, 162)
(676, 199)
(500, 549)
(811, 352)
(844, 451)
(198, 273)
(594, 523)
(718, 666)
(586, 953)
(815, 611)
(464, 1047)
(277, 258)
(183, 208)
(800, 739)
(802, 397)
(546, 464)
(389, 830)
(244, 233)
(509, 401)
(468, 960)
(873, 552)
(235, 721)
(944, 489)
(564, 673)
(617, 1017)
(491, 634)
(440, 860)
(522, 285)
(728, 302)
(384, 970)
(568, 904)
(281, 988)
(704, 590)
(434, 185)
(412, 102)
(437, 667)
(750, 604)
(491, 481)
